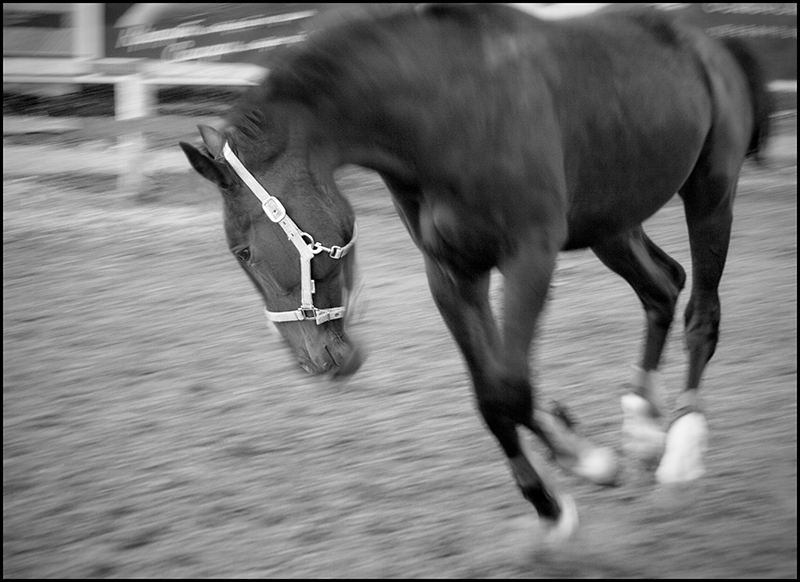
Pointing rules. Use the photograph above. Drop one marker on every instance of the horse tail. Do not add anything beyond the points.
(760, 98)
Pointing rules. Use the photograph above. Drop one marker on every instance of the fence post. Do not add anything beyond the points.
(133, 99)
(87, 30)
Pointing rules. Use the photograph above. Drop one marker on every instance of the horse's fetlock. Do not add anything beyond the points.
(546, 505)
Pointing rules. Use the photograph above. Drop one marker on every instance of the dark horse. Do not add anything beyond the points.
(503, 140)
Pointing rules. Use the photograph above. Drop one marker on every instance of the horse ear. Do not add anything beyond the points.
(205, 165)
(213, 139)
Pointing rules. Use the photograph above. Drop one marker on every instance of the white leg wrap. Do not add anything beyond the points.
(598, 465)
(642, 435)
(650, 384)
(687, 442)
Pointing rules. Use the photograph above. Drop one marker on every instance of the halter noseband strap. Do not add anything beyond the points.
(304, 243)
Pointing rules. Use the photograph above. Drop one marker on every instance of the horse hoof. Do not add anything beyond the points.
(642, 436)
(560, 530)
(687, 442)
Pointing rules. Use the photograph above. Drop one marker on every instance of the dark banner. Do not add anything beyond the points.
(248, 32)
(240, 33)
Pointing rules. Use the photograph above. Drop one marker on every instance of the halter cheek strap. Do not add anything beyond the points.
(303, 242)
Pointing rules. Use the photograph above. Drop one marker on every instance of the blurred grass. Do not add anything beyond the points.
(97, 100)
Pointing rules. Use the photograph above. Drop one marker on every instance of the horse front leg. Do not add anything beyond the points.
(503, 393)
(527, 279)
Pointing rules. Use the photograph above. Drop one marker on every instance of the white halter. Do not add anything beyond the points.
(304, 243)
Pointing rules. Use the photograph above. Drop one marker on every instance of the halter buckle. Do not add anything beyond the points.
(274, 209)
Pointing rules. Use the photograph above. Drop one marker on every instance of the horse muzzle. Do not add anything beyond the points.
(338, 358)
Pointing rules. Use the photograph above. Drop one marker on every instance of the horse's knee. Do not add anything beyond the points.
(661, 302)
(670, 267)
(661, 297)
(662, 313)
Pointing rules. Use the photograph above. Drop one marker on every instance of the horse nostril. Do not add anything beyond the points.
(330, 355)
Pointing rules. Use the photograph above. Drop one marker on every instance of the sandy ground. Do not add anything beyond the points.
(152, 427)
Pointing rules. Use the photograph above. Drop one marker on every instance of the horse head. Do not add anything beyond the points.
(292, 233)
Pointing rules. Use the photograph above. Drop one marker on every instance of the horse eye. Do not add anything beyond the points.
(243, 255)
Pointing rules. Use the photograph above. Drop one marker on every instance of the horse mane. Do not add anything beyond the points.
(335, 63)
(360, 69)
(247, 119)
(335, 56)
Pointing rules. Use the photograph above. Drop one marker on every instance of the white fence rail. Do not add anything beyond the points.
(134, 80)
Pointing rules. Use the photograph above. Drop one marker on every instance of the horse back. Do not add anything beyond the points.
(584, 126)
(640, 99)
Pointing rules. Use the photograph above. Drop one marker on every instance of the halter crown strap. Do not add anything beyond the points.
(304, 243)
(271, 205)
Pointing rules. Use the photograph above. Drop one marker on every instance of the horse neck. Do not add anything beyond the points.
(381, 160)
(346, 135)
(364, 128)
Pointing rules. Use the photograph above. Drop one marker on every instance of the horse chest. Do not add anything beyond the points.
(453, 234)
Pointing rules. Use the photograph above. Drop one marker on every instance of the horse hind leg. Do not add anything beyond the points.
(708, 203)
(657, 279)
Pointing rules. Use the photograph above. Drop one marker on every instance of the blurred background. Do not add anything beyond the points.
(152, 427)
